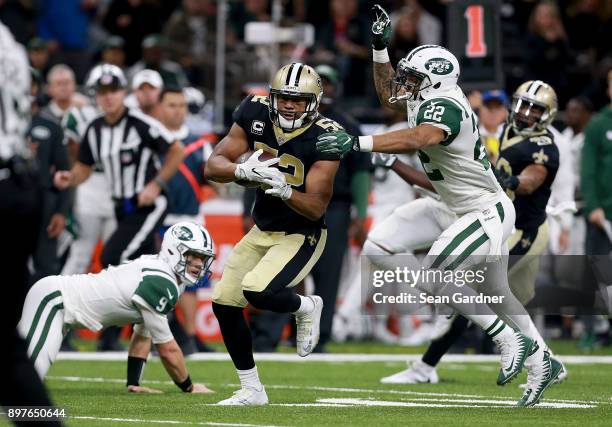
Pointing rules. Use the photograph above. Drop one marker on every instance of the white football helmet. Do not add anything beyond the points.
(425, 72)
(186, 238)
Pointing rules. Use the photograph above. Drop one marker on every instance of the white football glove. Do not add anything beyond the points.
(278, 186)
(383, 160)
(254, 170)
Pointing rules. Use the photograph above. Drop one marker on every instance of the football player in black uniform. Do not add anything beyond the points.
(289, 233)
(526, 168)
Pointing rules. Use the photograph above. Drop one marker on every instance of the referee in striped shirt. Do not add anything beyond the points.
(128, 145)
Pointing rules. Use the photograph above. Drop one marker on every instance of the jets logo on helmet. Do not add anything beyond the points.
(183, 241)
(439, 66)
(182, 233)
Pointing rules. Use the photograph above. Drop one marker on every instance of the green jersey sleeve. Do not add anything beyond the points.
(158, 292)
(443, 114)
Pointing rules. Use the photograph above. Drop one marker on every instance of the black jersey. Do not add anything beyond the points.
(518, 152)
(297, 153)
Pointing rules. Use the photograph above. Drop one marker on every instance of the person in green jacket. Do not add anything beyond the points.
(596, 178)
(596, 182)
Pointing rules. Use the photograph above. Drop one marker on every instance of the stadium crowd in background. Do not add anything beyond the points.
(171, 44)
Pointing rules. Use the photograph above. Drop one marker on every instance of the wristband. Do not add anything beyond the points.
(135, 369)
(366, 143)
(186, 385)
(162, 183)
(380, 56)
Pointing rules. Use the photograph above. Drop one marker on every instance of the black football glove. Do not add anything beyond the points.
(507, 181)
(381, 28)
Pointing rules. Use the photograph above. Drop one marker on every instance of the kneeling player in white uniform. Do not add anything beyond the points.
(142, 291)
(446, 135)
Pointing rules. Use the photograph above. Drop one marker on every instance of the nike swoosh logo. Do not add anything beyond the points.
(169, 294)
(508, 371)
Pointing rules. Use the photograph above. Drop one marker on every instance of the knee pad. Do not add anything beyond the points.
(259, 300)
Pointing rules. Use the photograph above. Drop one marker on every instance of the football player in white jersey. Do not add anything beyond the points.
(444, 130)
(142, 291)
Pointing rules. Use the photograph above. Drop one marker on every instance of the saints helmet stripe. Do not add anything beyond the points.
(534, 87)
(295, 75)
(289, 74)
(297, 79)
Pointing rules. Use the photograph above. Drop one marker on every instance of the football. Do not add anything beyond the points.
(243, 158)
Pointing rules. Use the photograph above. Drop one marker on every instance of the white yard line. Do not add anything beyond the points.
(286, 357)
(179, 422)
(499, 404)
(326, 389)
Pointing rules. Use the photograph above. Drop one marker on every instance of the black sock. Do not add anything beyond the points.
(281, 301)
(439, 347)
(236, 335)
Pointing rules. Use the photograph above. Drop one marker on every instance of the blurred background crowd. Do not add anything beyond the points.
(565, 43)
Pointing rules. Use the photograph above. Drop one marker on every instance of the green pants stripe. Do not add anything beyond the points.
(467, 252)
(39, 312)
(455, 243)
(45, 331)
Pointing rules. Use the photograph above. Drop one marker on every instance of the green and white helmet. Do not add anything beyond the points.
(425, 72)
(186, 238)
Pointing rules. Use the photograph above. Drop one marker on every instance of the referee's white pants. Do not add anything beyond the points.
(92, 227)
(42, 323)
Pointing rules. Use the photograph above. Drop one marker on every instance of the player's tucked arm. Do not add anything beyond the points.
(383, 75)
(220, 166)
(530, 179)
(412, 175)
(319, 188)
(404, 140)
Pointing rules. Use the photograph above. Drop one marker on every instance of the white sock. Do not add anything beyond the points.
(306, 306)
(249, 378)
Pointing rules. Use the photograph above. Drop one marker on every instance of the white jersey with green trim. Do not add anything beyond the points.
(458, 167)
(76, 119)
(118, 295)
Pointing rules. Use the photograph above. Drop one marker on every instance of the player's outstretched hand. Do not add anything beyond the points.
(141, 389)
(381, 28)
(337, 143)
(253, 169)
(200, 388)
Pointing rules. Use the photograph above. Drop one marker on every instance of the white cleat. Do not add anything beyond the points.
(309, 327)
(418, 373)
(246, 397)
